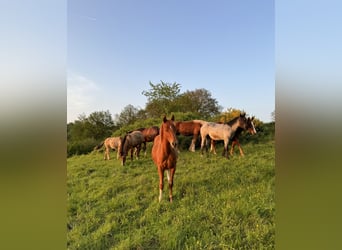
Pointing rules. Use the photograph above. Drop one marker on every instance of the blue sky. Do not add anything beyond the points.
(116, 47)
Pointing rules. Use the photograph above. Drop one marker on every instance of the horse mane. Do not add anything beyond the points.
(123, 144)
(231, 122)
(156, 128)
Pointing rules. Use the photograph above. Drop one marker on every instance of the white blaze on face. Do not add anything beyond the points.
(254, 131)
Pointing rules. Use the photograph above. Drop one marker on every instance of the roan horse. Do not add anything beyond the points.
(188, 128)
(164, 154)
(110, 143)
(223, 132)
(149, 135)
(235, 139)
(129, 142)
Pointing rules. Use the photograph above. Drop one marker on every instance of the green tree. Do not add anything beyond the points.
(161, 98)
(97, 125)
(100, 124)
(86, 132)
(199, 101)
(128, 115)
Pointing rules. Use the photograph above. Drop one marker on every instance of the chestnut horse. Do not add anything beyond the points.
(223, 132)
(235, 139)
(188, 128)
(164, 154)
(149, 135)
(110, 143)
(129, 142)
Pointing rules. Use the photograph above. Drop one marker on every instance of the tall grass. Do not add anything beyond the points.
(218, 203)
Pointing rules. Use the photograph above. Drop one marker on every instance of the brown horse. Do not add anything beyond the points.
(129, 142)
(110, 143)
(235, 139)
(164, 154)
(223, 132)
(189, 128)
(149, 135)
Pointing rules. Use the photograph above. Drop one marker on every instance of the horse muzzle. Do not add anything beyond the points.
(174, 144)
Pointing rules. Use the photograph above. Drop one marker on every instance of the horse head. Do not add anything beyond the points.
(168, 131)
(250, 126)
(242, 121)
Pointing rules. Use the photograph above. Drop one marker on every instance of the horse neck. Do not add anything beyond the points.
(236, 126)
(124, 145)
(238, 131)
(164, 141)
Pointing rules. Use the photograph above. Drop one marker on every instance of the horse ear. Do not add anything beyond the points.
(172, 118)
(164, 119)
(252, 118)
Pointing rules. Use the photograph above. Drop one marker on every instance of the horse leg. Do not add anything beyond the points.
(144, 148)
(232, 148)
(138, 151)
(123, 160)
(204, 143)
(107, 153)
(132, 151)
(241, 151)
(161, 182)
(192, 145)
(170, 173)
(212, 147)
(225, 150)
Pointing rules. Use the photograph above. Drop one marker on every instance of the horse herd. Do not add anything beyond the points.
(165, 151)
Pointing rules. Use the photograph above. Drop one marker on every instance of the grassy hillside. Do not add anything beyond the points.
(218, 203)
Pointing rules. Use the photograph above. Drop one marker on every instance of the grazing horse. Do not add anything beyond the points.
(110, 143)
(223, 132)
(235, 139)
(129, 142)
(149, 135)
(189, 128)
(164, 154)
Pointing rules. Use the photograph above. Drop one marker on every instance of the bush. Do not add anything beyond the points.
(83, 146)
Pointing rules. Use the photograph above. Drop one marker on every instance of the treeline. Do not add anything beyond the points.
(162, 98)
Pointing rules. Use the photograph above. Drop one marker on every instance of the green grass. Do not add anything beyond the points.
(217, 203)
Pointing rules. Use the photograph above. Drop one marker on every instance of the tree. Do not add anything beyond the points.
(230, 114)
(199, 101)
(100, 124)
(97, 125)
(128, 115)
(86, 132)
(161, 98)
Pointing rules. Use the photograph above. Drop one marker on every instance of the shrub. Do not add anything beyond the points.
(83, 146)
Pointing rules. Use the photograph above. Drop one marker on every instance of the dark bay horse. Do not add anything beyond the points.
(129, 142)
(189, 128)
(110, 143)
(223, 132)
(164, 154)
(235, 139)
(149, 135)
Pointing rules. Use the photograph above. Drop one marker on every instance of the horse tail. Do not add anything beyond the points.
(99, 146)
